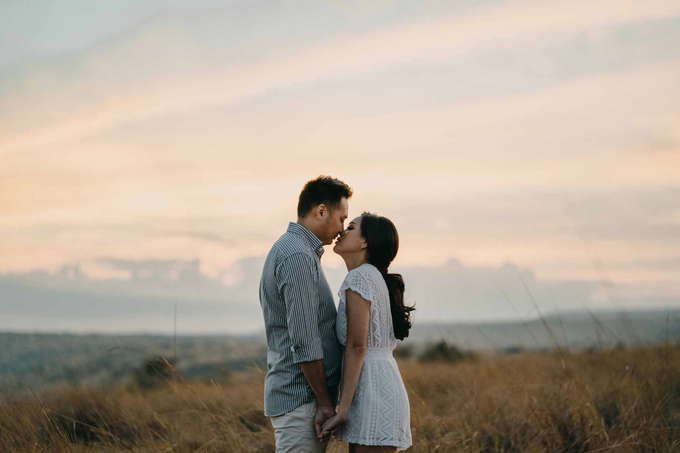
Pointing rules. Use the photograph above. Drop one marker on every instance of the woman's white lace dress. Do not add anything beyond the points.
(379, 413)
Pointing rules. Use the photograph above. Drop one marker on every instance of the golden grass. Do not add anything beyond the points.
(624, 400)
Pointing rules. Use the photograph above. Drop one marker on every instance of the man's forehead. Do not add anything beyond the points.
(344, 207)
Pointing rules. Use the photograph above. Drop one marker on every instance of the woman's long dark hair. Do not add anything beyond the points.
(383, 243)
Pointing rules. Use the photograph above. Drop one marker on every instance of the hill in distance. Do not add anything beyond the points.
(33, 361)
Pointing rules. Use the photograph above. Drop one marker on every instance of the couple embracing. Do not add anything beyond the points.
(331, 371)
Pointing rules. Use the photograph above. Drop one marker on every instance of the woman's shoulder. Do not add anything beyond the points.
(366, 271)
(358, 280)
(362, 270)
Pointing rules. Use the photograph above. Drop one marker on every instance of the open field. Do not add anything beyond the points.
(45, 361)
(617, 400)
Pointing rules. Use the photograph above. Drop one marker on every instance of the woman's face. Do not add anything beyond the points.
(351, 240)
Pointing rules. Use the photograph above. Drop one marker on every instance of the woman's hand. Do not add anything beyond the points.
(331, 425)
(323, 413)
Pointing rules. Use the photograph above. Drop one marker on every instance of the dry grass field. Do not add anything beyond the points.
(618, 400)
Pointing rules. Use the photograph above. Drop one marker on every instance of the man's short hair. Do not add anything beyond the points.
(322, 190)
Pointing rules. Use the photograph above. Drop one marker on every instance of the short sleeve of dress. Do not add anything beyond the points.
(356, 281)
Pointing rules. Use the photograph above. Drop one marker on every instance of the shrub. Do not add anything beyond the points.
(404, 352)
(156, 371)
(510, 350)
(444, 352)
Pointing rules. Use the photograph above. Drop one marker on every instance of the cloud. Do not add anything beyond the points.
(74, 301)
(160, 69)
(556, 233)
(218, 241)
(190, 136)
(532, 228)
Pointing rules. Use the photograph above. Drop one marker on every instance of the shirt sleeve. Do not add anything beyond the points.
(297, 281)
(356, 281)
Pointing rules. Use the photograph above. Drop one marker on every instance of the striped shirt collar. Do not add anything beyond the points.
(309, 237)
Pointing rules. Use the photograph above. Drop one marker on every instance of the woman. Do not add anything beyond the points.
(373, 412)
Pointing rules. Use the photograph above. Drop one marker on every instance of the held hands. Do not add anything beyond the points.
(331, 425)
(323, 413)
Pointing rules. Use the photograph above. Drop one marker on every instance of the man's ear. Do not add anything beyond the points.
(364, 245)
(321, 210)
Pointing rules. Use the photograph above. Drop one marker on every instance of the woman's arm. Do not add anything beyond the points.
(358, 318)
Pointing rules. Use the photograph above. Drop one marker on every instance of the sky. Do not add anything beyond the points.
(151, 153)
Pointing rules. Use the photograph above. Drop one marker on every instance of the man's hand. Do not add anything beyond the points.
(323, 413)
(332, 425)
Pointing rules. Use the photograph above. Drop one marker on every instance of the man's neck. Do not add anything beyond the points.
(309, 224)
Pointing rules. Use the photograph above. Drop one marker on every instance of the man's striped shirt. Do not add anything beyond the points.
(299, 316)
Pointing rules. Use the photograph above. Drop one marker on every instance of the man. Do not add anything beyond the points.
(304, 356)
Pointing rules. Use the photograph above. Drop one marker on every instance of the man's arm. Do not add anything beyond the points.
(316, 377)
(298, 282)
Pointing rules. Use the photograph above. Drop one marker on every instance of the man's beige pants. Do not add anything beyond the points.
(294, 432)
